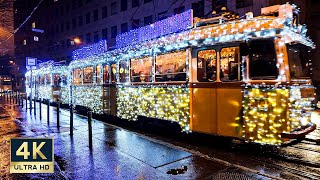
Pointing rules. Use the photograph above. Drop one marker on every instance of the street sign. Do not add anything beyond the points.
(30, 61)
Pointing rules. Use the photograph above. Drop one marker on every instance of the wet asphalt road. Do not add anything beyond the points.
(136, 153)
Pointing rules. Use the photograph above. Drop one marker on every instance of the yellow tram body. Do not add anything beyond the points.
(236, 99)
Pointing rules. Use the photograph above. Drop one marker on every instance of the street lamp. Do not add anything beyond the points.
(76, 40)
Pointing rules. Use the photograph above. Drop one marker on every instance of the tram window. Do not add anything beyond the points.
(57, 80)
(64, 79)
(263, 62)
(298, 60)
(98, 74)
(141, 69)
(42, 80)
(88, 75)
(106, 73)
(114, 73)
(207, 65)
(123, 71)
(171, 66)
(48, 79)
(230, 64)
(77, 76)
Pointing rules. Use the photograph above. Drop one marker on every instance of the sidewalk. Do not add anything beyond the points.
(118, 153)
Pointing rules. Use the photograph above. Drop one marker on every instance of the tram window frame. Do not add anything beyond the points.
(98, 74)
(74, 75)
(237, 67)
(202, 75)
(90, 79)
(123, 74)
(106, 76)
(141, 76)
(264, 67)
(48, 79)
(114, 71)
(171, 74)
(56, 78)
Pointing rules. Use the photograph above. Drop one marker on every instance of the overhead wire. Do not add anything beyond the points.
(17, 29)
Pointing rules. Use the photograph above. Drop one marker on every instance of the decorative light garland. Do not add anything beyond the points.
(90, 50)
(155, 101)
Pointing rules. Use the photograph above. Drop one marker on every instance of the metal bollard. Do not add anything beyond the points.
(48, 110)
(58, 114)
(30, 104)
(10, 98)
(71, 120)
(17, 98)
(90, 128)
(26, 102)
(7, 96)
(40, 109)
(35, 105)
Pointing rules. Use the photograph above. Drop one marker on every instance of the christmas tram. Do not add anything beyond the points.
(245, 78)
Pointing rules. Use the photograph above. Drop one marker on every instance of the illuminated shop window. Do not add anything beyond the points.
(88, 75)
(207, 65)
(141, 69)
(77, 76)
(98, 74)
(114, 73)
(48, 79)
(123, 71)
(57, 80)
(171, 66)
(229, 64)
(106, 73)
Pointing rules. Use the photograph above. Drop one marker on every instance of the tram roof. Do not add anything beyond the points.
(233, 31)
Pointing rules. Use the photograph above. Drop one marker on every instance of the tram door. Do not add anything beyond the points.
(229, 95)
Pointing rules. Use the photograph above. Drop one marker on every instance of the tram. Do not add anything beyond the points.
(245, 79)
(5, 83)
(48, 81)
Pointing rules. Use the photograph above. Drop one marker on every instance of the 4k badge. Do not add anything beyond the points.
(31, 155)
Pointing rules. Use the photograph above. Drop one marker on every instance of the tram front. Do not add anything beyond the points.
(278, 92)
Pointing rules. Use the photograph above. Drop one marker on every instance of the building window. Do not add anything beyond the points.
(34, 25)
(88, 1)
(113, 8)
(135, 3)
(24, 42)
(162, 15)
(67, 8)
(104, 12)
(68, 26)
(148, 20)
(68, 43)
(61, 11)
(74, 23)
(96, 36)
(124, 27)
(135, 23)
(80, 20)
(104, 33)
(88, 18)
(95, 15)
(57, 28)
(243, 3)
(113, 31)
(74, 4)
(62, 27)
(35, 38)
(124, 4)
(88, 38)
(146, 1)
(178, 10)
(198, 9)
(80, 3)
